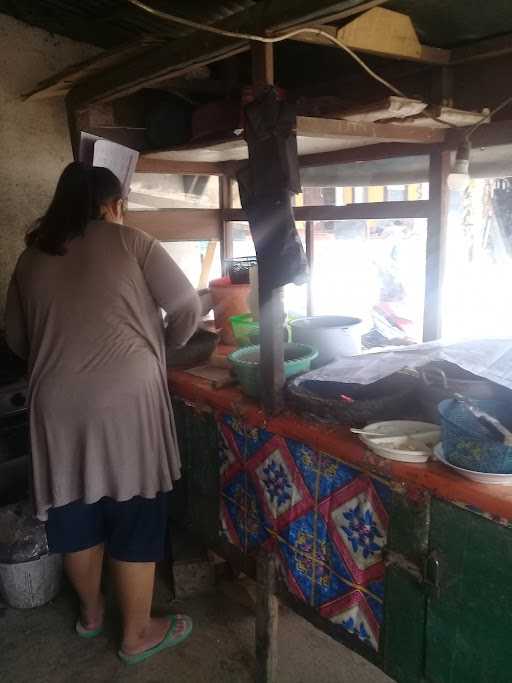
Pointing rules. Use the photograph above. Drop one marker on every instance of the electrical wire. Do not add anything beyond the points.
(267, 39)
(485, 118)
(310, 31)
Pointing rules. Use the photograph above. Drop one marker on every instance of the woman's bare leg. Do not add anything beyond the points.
(84, 571)
(134, 584)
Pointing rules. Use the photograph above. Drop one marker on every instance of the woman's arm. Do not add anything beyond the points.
(173, 292)
(15, 325)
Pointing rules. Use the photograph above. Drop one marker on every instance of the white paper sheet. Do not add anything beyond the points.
(121, 160)
(489, 358)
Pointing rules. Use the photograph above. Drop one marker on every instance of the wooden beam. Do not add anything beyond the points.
(153, 67)
(226, 203)
(206, 265)
(420, 208)
(74, 128)
(488, 135)
(436, 244)
(270, 299)
(424, 55)
(61, 83)
(314, 126)
(339, 11)
(310, 253)
(367, 153)
(262, 64)
(177, 225)
(148, 164)
(267, 619)
(197, 49)
(483, 49)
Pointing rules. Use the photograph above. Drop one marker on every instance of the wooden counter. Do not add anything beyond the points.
(433, 477)
(408, 565)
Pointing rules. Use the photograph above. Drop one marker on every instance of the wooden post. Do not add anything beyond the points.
(74, 127)
(436, 242)
(267, 619)
(262, 64)
(310, 253)
(225, 202)
(270, 300)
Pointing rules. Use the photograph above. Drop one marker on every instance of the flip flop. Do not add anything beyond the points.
(170, 640)
(85, 632)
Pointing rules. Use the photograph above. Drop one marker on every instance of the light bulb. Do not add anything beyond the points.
(458, 182)
(458, 179)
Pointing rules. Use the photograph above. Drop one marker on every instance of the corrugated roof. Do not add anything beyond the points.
(450, 23)
(109, 23)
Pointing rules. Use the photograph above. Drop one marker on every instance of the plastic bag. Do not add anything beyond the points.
(22, 537)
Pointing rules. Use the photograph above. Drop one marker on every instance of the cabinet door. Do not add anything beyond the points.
(196, 500)
(405, 599)
(469, 621)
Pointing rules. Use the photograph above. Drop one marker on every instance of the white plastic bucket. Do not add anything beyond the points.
(24, 585)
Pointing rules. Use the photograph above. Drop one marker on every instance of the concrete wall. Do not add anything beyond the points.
(34, 140)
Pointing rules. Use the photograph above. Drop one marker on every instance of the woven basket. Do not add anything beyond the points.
(388, 399)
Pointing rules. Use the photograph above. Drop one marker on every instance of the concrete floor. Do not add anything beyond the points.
(39, 646)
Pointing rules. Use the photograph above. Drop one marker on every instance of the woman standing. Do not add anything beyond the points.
(84, 308)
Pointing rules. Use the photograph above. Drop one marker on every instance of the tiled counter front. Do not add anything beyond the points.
(325, 521)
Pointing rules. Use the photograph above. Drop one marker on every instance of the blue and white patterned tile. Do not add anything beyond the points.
(248, 439)
(361, 530)
(353, 615)
(357, 523)
(307, 461)
(279, 484)
(334, 475)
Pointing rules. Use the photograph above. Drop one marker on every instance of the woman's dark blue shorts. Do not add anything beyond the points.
(135, 530)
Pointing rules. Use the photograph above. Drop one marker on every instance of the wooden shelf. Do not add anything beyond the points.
(314, 135)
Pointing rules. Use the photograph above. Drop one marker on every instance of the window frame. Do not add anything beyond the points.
(197, 224)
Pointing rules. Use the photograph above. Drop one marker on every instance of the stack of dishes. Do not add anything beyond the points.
(401, 440)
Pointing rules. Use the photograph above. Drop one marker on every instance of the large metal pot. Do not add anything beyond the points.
(331, 335)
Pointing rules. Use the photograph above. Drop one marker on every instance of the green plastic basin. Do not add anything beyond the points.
(246, 364)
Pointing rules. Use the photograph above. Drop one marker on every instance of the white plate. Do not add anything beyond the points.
(480, 477)
(398, 428)
(399, 456)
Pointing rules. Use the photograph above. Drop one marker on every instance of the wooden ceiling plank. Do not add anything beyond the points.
(380, 132)
(146, 164)
(177, 224)
(62, 82)
(184, 54)
(420, 208)
(483, 49)
(383, 150)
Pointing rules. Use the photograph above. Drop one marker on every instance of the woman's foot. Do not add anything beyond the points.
(91, 616)
(153, 634)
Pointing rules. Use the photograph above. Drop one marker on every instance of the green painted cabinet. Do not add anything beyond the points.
(405, 601)
(469, 624)
(448, 606)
